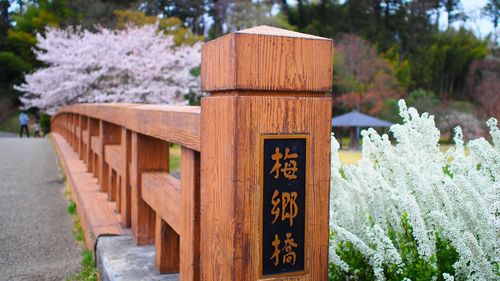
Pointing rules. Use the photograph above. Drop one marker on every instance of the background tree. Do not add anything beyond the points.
(492, 11)
(410, 49)
(4, 19)
(483, 84)
(170, 26)
(362, 79)
(191, 13)
(136, 64)
(445, 66)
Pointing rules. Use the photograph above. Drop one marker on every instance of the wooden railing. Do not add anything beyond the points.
(127, 145)
(264, 85)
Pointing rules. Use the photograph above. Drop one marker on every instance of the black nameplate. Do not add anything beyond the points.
(283, 181)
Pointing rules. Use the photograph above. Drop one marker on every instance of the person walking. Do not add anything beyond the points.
(24, 119)
(36, 128)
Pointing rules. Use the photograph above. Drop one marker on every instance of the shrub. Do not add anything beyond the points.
(410, 212)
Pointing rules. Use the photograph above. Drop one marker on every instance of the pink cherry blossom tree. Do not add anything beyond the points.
(136, 64)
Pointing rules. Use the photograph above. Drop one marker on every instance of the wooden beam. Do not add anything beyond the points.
(174, 124)
(162, 193)
(112, 156)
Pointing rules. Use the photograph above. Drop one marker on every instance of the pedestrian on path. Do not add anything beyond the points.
(36, 128)
(24, 119)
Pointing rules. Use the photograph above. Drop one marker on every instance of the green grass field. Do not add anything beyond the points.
(175, 158)
(349, 156)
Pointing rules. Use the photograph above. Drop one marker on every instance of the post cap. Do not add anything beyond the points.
(265, 58)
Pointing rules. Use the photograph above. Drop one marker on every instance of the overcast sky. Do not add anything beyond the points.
(481, 25)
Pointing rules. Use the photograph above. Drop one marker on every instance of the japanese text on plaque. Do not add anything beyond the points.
(283, 207)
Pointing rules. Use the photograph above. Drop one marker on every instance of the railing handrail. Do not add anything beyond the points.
(171, 123)
(126, 148)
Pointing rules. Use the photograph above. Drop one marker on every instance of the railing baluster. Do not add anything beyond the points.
(125, 188)
(83, 127)
(148, 154)
(190, 204)
(108, 134)
(166, 247)
(93, 130)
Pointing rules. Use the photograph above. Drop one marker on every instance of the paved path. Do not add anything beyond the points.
(8, 135)
(36, 238)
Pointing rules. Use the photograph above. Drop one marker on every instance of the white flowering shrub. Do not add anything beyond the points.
(411, 212)
(136, 64)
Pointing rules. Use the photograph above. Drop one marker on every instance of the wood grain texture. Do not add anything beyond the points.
(217, 186)
(147, 154)
(112, 159)
(162, 193)
(166, 247)
(93, 130)
(85, 136)
(174, 124)
(81, 141)
(108, 134)
(125, 188)
(275, 60)
(118, 193)
(71, 130)
(230, 181)
(190, 206)
(95, 144)
(112, 156)
(112, 188)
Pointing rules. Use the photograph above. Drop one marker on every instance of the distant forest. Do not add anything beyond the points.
(384, 49)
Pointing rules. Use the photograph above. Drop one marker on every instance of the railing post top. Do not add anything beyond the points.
(265, 58)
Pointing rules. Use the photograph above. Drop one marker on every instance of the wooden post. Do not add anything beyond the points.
(166, 247)
(190, 196)
(147, 154)
(81, 144)
(93, 130)
(71, 139)
(125, 182)
(109, 134)
(265, 156)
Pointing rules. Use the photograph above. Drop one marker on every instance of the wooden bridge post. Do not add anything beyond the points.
(109, 134)
(125, 182)
(147, 154)
(81, 144)
(265, 156)
(93, 130)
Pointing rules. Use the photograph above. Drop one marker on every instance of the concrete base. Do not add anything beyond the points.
(119, 259)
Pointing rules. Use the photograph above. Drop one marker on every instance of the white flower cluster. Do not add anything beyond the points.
(455, 194)
(137, 64)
